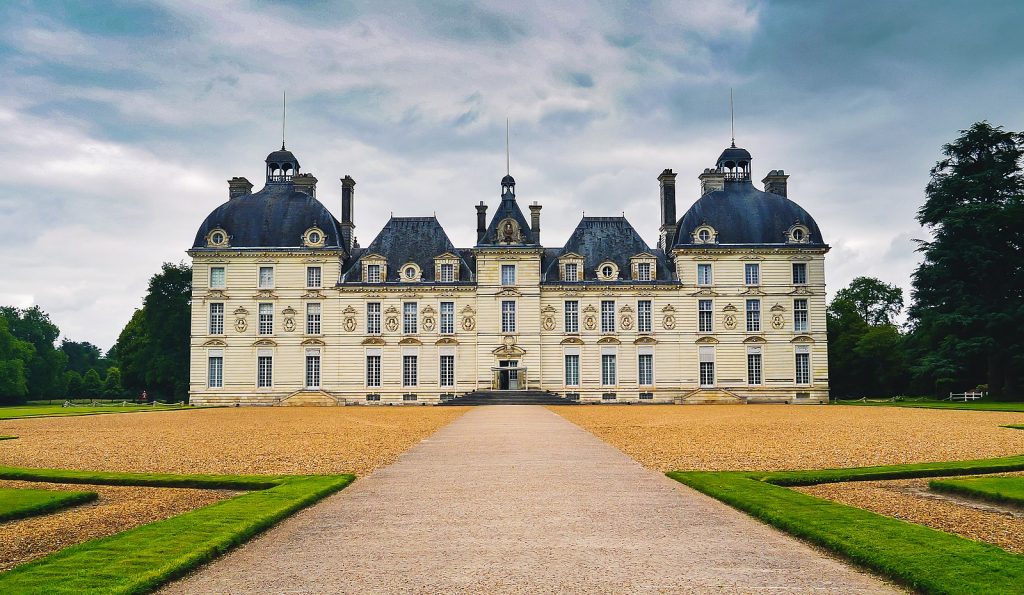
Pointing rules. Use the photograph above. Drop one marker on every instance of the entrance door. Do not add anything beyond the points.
(509, 379)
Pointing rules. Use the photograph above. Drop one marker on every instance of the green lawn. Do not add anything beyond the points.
(19, 504)
(20, 411)
(142, 559)
(993, 489)
(927, 404)
(7, 437)
(922, 558)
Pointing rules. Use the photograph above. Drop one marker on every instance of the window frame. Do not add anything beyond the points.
(802, 352)
(506, 268)
(705, 315)
(259, 277)
(753, 316)
(217, 356)
(751, 273)
(319, 277)
(706, 366)
(572, 316)
(313, 356)
(265, 320)
(571, 373)
(640, 357)
(644, 271)
(801, 316)
(444, 375)
(575, 277)
(314, 320)
(508, 316)
(373, 318)
(223, 277)
(799, 266)
(264, 376)
(609, 372)
(447, 272)
(373, 273)
(710, 280)
(607, 317)
(644, 316)
(410, 318)
(447, 320)
(215, 320)
(410, 374)
(372, 369)
(755, 373)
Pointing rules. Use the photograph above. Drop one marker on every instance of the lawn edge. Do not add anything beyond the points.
(66, 499)
(965, 488)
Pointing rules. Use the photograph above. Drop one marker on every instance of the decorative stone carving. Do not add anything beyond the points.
(778, 321)
(509, 232)
(547, 321)
(468, 319)
(668, 317)
(289, 319)
(240, 322)
(590, 317)
(349, 321)
(391, 319)
(627, 322)
(729, 321)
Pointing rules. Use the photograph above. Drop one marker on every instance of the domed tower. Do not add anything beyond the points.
(734, 163)
(281, 166)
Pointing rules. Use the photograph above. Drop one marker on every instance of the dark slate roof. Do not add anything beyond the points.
(734, 154)
(275, 217)
(742, 214)
(508, 208)
(283, 156)
(598, 239)
(404, 240)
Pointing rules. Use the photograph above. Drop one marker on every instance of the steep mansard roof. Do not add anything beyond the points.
(408, 239)
(507, 208)
(600, 239)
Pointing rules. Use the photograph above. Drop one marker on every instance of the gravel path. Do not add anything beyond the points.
(517, 499)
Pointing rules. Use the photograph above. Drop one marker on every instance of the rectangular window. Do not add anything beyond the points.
(707, 366)
(217, 319)
(643, 316)
(409, 323)
(264, 371)
(572, 271)
(373, 318)
(409, 370)
(508, 316)
(572, 369)
(803, 365)
(704, 274)
(645, 369)
(608, 369)
(314, 277)
(313, 368)
(705, 316)
(607, 316)
(372, 369)
(312, 319)
(447, 318)
(215, 369)
(266, 319)
(752, 273)
(753, 316)
(508, 274)
(447, 273)
(800, 315)
(447, 370)
(572, 316)
(266, 277)
(754, 366)
(643, 271)
(799, 273)
(217, 279)
(373, 273)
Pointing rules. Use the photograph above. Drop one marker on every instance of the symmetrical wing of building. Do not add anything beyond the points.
(288, 308)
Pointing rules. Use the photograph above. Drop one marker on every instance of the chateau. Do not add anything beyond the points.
(287, 308)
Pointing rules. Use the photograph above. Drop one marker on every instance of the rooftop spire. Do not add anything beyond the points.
(508, 169)
(732, 119)
(284, 114)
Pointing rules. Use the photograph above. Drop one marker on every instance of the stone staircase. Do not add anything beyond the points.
(510, 397)
(310, 398)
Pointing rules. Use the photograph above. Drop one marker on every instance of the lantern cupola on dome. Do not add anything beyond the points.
(281, 166)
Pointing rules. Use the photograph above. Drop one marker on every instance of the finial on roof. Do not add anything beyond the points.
(284, 114)
(508, 169)
(732, 119)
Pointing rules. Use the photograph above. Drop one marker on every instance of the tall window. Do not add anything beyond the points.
(314, 277)
(313, 368)
(754, 366)
(608, 369)
(264, 370)
(447, 273)
(266, 277)
(643, 316)
(266, 319)
(705, 316)
(643, 271)
(447, 318)
(409, 370)
(508, 274)
(508, 316)
(217, 278)
(409, 323)
(373, 318)
(799, 273)
(753, 316)
(372, 369)
(800, 315)
(607, 316)
(752, 273)
(373, 273)
(707, 365)
(803, 364)
(572, 316)
(215, 369)
(217, 319)
(645, 369)
(704, 274)
(572, 369)
(312, 319)
(447, 370)
(572, 271)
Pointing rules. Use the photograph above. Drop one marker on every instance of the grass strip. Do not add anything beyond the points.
(936, 469)
(1015, 427)
(156, 480)
(970, 406)
(23, 503)
(7, 437)
(142, 559)
(20, 412)
(994, 489)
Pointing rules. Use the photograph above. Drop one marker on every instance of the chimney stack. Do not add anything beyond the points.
(305, 183)
(239, 187)
(481, 221)
(535, 221)
(711, 180)
(667, 233)
(775, 182)
(348, 191)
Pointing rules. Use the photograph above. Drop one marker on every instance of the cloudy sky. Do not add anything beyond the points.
(122, 125)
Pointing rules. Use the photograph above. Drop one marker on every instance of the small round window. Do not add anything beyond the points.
(410, 272)
(798, 234)
(314, 237)
(217, 238)
(606, 271)
(704, 235)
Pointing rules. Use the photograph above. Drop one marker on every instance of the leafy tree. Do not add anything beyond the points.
(73, 381)
(14, 357)
(876, 301)
(84, 355)
(967, 308)
(92, 386)
(112, 383)
(45, 370)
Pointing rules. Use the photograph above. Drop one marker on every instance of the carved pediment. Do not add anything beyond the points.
(349, 311)
(289, 311)
(410, 341)
(626, 308)
(467, 309)
(373, 341)
(645, 341)
(704, 293)
(215, 343)
(754, 339)
(752, 291)
(314, 294)
(608, 341)
(446, 341)
(801, 291)
(216, 294)
(509, 351)
(428, 309)
(447, 256)
(548, 309)
(391, 310)
(570, 256)
(313, 342)
(668, 308)
(509, 291)
(240, 311)
(264, 343)
(265, 294)
(373, 257)
(572, 341)
(707, 341)
(589, 308)
(778, 308)
(802, 339)
(729, 308)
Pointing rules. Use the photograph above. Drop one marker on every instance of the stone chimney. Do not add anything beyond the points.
(711, 180)
(667, 232)
(535, 221)
(481, 221)
(239, 187)
(348, 226)
(305, 183)
(775, 182)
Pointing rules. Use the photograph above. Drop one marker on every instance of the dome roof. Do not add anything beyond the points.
(283, 155)
(742, 214)
(734, 154)
(508, 181)
(275, 217)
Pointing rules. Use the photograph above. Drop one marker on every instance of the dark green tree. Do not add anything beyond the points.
(876, 301)
(968, 308)
(73, 382)
(112, 384)
(84, 355)
(14, 358)
(45, 370)
(92, 385)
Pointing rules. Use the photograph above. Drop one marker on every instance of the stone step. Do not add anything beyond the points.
(509, 398)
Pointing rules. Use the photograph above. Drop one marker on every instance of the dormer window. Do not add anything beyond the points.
(608, 271)
(313, 238)
(217, 238)
(643, 271)
(572, 272)
(643, 266)
(373, 273)
(375, 269)
(705, 234)
(410, 272)
(446, 268)
(447, 273)
(570, 265)
(798, 234)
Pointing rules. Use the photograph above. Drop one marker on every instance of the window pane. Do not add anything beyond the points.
(645, 369)
(313, 277)
(508, 274)
(264, 371)
(753, 368)
(753, 316)
(266, 319)
(266, 277)
(608, 369)
(217, 319)
(217, 277)
(409, 322)
(508, 316)
(572, 272)
(312, 371)
(753, 273)
(572, 316)
(707, 373)
(215, 372)
(447, 273)
(803, 368)
(643, 271)
(703, 274)
(607, 316)
(704, 316)
(373, 273)
(373, 370)
(409, 370)
(373, 317)
(572, 369)
(799, 273)
(447, 370)
(447, 318)
(312, 319)
(800, 315)
(643, 316)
